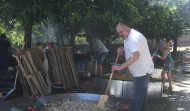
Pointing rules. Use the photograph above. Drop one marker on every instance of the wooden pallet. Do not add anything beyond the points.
(2, 94)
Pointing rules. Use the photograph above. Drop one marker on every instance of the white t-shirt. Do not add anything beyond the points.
(137, 42)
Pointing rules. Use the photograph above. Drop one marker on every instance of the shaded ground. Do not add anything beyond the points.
(181, 96)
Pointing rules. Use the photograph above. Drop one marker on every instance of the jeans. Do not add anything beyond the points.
(140, 92)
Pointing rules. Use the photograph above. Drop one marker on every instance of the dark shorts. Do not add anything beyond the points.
(102, 57)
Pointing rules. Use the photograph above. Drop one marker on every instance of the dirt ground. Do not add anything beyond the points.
(179, 101)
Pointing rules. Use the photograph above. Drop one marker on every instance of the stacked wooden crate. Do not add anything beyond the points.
(33, 73)
(62, 68)
(34, 77)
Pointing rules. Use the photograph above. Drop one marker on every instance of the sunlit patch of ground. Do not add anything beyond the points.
(183, 48)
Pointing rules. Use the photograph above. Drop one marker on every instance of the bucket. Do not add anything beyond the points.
(81, 66)
(57, 88)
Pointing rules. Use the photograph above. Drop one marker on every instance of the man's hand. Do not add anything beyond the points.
(115, 67)
(120, 50)
(154, 54)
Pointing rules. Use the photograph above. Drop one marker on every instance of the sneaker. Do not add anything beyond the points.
(165, 89)
(170, 90)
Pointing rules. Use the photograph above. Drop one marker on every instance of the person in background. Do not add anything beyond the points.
(99, 51)
(171, 44)
(139, 62)
(54, 45)
(168, 63)
(4, 47)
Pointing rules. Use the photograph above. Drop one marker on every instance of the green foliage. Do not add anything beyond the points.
(2, 30)
(14, 34)
(30, 11)
(80, 40)
(94, 17)
(163, 19)
(107, 15)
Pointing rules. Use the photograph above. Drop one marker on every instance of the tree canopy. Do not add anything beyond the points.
(155, 19)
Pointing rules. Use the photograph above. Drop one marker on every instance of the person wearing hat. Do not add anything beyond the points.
(4, 47)
(168, 63)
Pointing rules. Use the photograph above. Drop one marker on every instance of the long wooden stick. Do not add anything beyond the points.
(111, 75)
(103, 98)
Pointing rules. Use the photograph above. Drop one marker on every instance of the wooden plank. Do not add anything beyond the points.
(25, 86)
(39, 75)
(34, 78)
(25, 74)
(50, 69)
(66, 69)
(73, 68)
(69, 73)
(62, 75)
(44, 70)
(56, 70)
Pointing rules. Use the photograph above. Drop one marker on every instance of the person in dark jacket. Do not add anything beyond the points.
(4, 47)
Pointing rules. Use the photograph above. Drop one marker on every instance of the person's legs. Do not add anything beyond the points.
(100, 69)
(140, 93)
(146, 86)
(163, 77)
(170, 80)
(100, 60)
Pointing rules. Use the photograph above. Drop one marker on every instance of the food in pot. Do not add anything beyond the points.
(121, 77)
(67, 105)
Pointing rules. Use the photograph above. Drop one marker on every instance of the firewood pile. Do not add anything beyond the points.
(36, 80)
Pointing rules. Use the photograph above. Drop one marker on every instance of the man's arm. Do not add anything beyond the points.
(166, 52)
(134, 57)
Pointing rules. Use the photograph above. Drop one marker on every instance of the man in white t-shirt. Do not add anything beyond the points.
(100, 51)
(139, 62)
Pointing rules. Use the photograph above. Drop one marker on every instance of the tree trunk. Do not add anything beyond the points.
(74, 31)
(28, 36)
(73, 39)
(175, 48)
